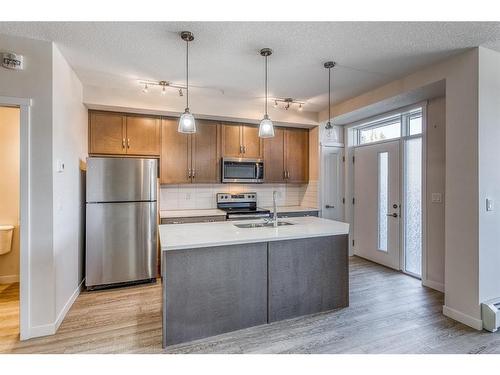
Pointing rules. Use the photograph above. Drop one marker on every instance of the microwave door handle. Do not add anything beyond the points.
(257, 171)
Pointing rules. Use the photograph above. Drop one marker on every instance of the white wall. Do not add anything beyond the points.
(435, 183)
(489, 173)
(57, 122)
(35, 82)
(69, 140)
(461, 193)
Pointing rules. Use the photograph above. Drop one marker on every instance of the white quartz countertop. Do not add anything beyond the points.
(165, 214)
(199, 235)
(285, 209)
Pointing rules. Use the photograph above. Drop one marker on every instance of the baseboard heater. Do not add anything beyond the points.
(490, 314)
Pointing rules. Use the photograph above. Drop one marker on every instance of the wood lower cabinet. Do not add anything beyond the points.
(107, 133)
(120, 134)
(241, 141)
(143, 135)
(286, 156)
(190, 158)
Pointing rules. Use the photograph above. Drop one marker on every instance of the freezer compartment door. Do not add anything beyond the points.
(121, 179)
(121, 242)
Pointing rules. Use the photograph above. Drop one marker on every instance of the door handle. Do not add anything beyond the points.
(189, 172)
(393, 215)
(128, 142)
(193, 172)
(123, 142)
(329, 206)
(244, 149)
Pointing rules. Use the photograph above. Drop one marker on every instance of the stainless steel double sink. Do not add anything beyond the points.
(261, 225)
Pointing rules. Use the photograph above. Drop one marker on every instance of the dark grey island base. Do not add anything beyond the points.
(213, 290)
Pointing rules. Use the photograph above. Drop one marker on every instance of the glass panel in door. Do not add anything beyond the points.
(413, 206)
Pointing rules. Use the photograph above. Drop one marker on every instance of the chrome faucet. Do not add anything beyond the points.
(275, 211)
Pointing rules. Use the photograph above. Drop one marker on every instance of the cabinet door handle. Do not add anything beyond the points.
(244, 149)
(189, 172)
(393, 215)
(123, 142)
(128, 142)
(329, 206)
(193, 172)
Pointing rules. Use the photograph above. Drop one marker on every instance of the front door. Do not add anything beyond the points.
(377, 203)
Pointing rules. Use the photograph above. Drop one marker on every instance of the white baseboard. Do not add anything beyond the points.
(67, 306)
(7, 279)
(463, 318)
(51, 328)
(433, 285)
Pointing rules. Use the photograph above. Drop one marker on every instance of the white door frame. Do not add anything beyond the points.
(350, 144)
(24, 105)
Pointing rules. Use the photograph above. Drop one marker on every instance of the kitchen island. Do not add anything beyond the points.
(224, 276)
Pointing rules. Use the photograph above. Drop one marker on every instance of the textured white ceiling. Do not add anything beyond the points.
(224, 55)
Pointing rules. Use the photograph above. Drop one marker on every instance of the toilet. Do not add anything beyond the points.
(6, 238)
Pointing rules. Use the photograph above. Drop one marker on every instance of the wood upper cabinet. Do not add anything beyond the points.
(241, 141)
(274, 156)
(231, 141)
(205, 152)
(286, 156)
(190, 158)
(175, 157)
(297, 155)
(119, 134)
(107, 132)
(143, 135)
(252, 147)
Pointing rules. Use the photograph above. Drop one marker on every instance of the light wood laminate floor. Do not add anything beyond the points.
(389, 312)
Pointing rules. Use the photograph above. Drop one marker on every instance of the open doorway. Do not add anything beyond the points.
(10, 127)
(388, 190)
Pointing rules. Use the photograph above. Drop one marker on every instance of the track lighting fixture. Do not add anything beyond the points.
(288, 103)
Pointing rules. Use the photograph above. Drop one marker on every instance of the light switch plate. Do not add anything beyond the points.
(489, 204)
(437, 198)
(59, 166)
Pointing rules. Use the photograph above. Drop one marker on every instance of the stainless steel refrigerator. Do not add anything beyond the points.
(121, 221)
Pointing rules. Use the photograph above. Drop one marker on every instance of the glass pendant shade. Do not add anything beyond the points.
(266, 128)
(187, 123)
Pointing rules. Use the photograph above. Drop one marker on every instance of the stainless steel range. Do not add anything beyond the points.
(242, 206)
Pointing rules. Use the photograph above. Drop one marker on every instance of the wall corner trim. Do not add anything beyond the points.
(463, 318)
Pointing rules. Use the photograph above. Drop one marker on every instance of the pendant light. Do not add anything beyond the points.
(266, 127)
(186, 122)
(329, 128)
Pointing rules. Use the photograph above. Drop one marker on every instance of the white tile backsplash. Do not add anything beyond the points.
(184, 197)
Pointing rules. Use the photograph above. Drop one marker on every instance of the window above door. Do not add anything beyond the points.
(398, 125)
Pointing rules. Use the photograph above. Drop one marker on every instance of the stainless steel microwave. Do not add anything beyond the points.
(242, 170)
